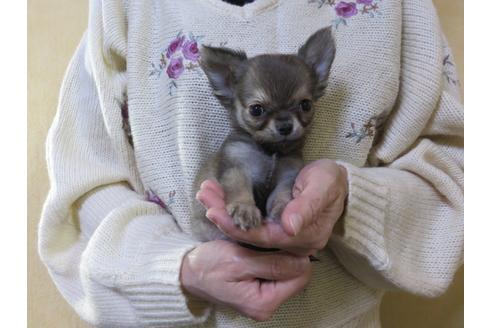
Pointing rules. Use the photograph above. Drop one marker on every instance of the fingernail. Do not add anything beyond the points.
(208, 216)
(198, 198)
(295, 223)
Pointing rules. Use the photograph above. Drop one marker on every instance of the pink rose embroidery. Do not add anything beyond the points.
(181, 55)
(190, 50)
(346, 9)
(174, 46)
(175, 68)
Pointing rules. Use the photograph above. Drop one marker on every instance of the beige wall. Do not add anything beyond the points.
(54, 30)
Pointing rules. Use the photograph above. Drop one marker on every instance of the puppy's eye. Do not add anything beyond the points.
(256, 110)
(306, 105)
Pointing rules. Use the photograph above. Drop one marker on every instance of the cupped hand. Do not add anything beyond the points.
(307, 222)
(253, 283)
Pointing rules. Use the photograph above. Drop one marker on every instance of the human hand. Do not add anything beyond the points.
(253, 283)
(307, 222)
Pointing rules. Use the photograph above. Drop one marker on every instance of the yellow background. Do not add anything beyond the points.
(54, 30)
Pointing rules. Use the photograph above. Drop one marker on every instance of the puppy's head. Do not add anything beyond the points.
(271, 96)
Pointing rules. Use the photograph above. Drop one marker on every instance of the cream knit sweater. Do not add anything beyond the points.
(136, 118)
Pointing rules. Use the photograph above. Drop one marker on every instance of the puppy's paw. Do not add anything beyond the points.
(244, 215)
(276, 205)
(275, 212)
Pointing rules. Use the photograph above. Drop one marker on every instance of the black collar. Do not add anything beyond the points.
(238, 2)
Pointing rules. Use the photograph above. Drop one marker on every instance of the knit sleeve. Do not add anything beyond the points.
(114, 256)
(403, 222)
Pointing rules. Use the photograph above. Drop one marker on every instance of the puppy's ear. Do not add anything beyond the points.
(318, 52)
(222, 67)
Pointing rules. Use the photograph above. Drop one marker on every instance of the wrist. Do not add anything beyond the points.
(187, 275)
(187, 278)
(192, 275)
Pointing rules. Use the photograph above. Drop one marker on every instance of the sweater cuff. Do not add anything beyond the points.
(363, 219)
(155, 292)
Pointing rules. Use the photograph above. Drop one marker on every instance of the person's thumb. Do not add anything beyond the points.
(304, 208)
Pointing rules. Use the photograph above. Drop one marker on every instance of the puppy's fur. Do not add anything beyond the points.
(269, 98)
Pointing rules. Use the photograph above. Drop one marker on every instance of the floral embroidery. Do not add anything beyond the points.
(448, 70)
(181, 54)
(125, 119)
(152, 197)
(321, 3)
(369, 129)
(171, 195)
(190, 50)
(345, 10)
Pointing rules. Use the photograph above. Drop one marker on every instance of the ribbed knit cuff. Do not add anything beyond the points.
(363, 219)
(155, 291)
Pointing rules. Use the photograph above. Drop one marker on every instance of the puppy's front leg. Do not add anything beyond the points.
(279, 198)
(240, 202)
(281, 195)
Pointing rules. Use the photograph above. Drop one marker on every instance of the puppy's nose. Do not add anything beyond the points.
(284, 128)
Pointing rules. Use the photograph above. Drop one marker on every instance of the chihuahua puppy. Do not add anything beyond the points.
(270, 100)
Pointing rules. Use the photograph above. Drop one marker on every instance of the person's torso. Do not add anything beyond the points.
(176, 123)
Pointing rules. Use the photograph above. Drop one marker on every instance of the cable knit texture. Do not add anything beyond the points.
(137, 118)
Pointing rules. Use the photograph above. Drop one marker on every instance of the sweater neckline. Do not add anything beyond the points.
(247, 11)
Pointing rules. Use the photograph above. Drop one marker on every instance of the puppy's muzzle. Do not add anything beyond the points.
(284, 128)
